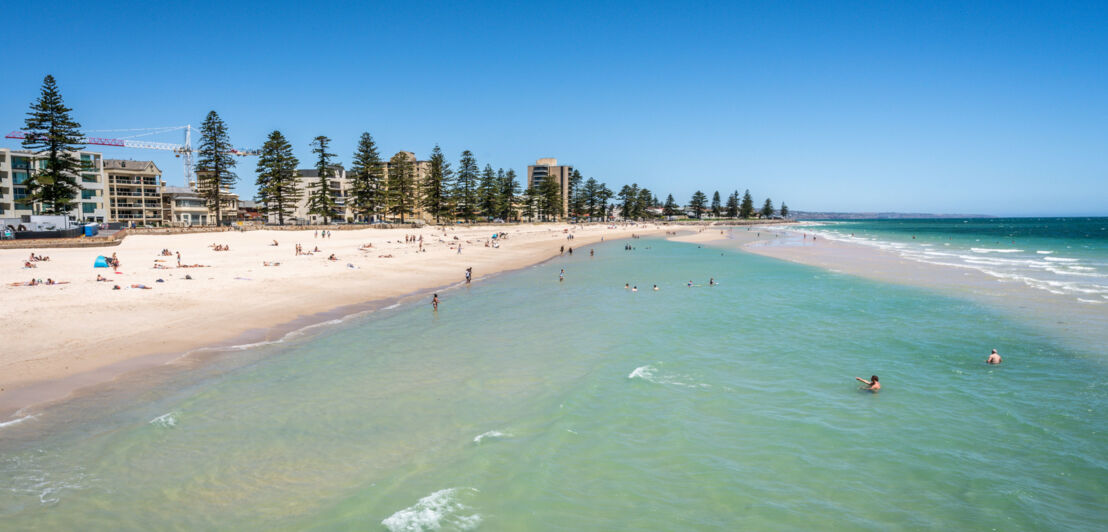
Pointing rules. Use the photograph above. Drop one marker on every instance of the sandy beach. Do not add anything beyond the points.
(82, 332)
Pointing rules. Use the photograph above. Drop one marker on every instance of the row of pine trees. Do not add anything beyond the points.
(467, 194)
(379, 188)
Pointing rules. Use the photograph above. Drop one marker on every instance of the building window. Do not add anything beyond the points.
(21, 163)
(19, 178)
(89, 178)
(88, 208)
(88, 194)
(20, 193)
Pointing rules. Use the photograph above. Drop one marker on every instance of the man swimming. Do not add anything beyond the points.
(872, 384)
(994, 358)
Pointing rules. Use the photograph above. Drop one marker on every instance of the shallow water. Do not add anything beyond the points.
(529, 404)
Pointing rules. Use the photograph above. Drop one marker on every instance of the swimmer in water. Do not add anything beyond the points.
(626, 286)
(435, 302)
(655, 288)
(690, 284)
(635, 288)
(562, 275)
(994, 358)
(711, 281)
(872, 384)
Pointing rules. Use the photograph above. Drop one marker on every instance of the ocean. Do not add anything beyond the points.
(526, 403)
(1062, 256)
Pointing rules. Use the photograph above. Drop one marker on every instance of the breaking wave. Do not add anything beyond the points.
(433, 512)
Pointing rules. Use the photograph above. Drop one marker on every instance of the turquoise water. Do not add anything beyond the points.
(529, 404)
(1060, 256)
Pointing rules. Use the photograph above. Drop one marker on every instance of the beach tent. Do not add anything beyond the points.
(101, 262)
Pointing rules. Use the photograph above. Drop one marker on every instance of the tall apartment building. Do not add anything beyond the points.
(548, 168)
(421, 169)
(134, 192)
(16, 167)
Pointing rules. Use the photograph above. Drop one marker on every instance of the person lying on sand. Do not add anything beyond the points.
(100, 278)
(140, 286)
(332, 257)
(274, 244)
(28, 265)
(267, 263)
(872, 384)
(389, 256)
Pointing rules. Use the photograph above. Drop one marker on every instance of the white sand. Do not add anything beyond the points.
(54, 332)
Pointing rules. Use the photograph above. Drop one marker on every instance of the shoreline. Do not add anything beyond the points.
(1072, 324)
(32, 381)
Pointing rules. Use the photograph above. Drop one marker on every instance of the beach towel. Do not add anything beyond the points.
(101, 262)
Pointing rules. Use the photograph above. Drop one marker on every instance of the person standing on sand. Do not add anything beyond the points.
(872, 384)
(469, 274)
(994, 358)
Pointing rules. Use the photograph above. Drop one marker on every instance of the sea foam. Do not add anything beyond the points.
(993, 250)
(492, 434)
(15, 421)
(650, 374)
(165, 421)
(432, 512)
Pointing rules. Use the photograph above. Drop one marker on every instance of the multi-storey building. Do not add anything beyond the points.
(228, 205)
(183, 206)
(134, 192)
(307, 180)
(341, 186)
(420, 169)
(16, 167)
(548, 168)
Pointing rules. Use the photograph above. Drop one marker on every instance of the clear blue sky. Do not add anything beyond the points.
(985, 107)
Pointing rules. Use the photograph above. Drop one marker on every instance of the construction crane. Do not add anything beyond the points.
(180, 150)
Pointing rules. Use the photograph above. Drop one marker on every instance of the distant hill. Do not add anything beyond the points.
(804, 215)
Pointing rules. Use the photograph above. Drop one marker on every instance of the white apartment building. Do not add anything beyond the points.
(16, 167)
